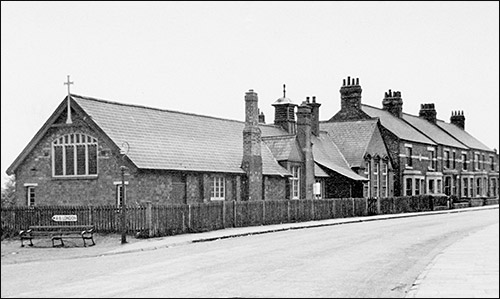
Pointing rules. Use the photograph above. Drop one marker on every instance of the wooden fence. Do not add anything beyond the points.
(149, 220)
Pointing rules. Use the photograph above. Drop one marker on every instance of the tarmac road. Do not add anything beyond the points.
(366, 259)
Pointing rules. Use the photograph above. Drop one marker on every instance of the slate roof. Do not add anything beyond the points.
(351, 137)
(283, 147)
(163, 139)
(463, 136)
(397, 126)
(326, 154)
(432, 131)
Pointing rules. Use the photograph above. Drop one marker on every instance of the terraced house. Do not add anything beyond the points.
(429, 155)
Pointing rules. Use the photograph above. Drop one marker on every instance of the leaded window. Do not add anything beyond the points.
(74, 155)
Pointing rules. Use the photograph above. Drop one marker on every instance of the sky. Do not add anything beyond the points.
(201, 58)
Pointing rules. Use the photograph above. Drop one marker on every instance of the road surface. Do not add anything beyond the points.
(367, 259)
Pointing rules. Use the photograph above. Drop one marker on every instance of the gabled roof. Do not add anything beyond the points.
(326, 154)
(397, 126)
(170, 140)
(432, 131)
(351, 137)
(284, 148)
(463, 136)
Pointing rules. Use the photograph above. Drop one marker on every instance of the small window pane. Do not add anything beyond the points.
(92, 156)
(70, 160)
(80, 159)
(58, 157)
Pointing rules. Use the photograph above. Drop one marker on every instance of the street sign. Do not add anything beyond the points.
(64, 217)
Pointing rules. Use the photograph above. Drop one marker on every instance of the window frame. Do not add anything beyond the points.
(295, 182)
(70, 146)
(218, 187)
(30, 196)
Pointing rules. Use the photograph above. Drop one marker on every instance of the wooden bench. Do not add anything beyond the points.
(58, 232)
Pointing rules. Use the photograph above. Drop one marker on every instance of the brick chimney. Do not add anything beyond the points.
(393, 103)
(252, 158)
(304, 138)
(428, 111)
(350, 101)
(284, 113)
(314, 115)
(458, 119)
(262, 118)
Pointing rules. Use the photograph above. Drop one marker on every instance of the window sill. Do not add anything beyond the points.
(86, 177)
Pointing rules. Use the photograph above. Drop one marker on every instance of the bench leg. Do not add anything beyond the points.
(90, 238)
(22, 239)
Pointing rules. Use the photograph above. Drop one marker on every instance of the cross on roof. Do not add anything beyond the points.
(68, 119)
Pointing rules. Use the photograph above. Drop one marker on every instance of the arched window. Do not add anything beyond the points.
(74, 155)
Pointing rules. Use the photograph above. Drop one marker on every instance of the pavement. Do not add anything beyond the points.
(449, 275)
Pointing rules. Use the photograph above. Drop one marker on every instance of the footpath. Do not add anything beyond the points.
(449, 275)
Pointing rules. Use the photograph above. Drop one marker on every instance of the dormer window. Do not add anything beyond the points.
(74, 155)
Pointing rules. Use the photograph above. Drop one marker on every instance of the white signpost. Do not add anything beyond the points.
(64, 218)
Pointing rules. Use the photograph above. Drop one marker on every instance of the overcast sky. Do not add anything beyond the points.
(201, 57)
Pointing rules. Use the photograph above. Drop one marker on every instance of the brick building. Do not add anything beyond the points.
(429, 155)
(175, 157)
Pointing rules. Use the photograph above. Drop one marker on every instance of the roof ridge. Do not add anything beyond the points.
(152, 108)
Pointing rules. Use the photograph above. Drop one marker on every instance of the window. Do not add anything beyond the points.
(447, 159)
(438, 187)
(464, 161)
(295, 180)
(471, 187)
(465, 187)
(493, 187)
(483, 162)
(492, 163)
(432, 159)
(385, 184)
(422, 186)
(430, 187)
(409, 163)
(30, 196)
(74, 155)
(454, 160)
(478, 186)
(447, 185)
(476, 161)
(409, 186)
(417, 187)
(217, 188)
(367, 185)
(485, 187)
(376, 179)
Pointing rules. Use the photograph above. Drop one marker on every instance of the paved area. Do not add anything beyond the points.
(466, 269)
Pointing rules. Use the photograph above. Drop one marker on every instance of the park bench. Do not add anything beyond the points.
(58, 232)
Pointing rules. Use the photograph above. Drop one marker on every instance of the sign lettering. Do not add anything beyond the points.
(64, 218)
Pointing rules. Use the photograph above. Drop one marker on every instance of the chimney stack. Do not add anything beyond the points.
(305, 143)
(314, 115)
(252, 158)
(350, 101)
(393, 103)
(428, 111)
(458, 119)
(262, 118)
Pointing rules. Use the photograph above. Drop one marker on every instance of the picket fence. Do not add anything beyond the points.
(149, 220)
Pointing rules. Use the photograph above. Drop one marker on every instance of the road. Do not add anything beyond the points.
(368, 259)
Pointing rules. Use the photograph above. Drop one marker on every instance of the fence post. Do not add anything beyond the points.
(288, 210)
(312, 209)
(224, 214)
(90, 215)
(189, 217)
(353, 208)
(263, 212)
(234, 213)
(378, 205)
(333, 208)
(149, 218)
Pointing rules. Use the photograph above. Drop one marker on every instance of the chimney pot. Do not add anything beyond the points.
(314, 99)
